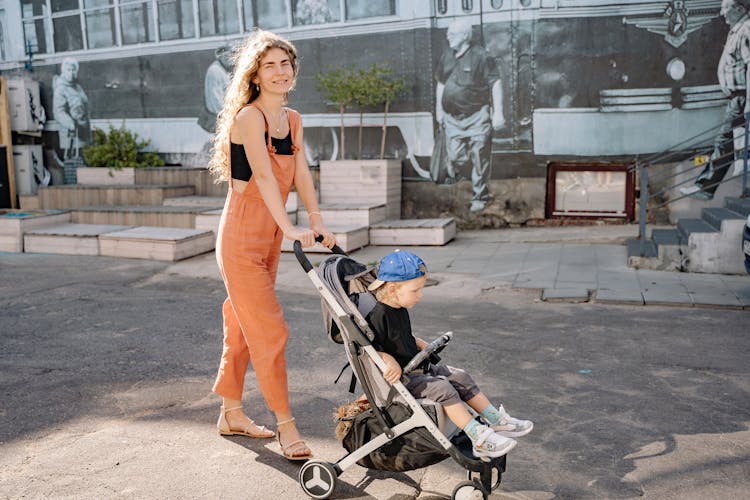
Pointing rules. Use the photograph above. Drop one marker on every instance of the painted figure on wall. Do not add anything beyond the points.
(469, 106)
(71, 110)
(733, 72)
(215, 86)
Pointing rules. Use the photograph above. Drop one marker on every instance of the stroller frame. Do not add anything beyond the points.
(317, 477)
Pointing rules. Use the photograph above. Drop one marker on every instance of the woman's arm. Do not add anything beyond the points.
(250, 127)
(303, 182)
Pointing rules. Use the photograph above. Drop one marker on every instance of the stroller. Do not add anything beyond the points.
(398, 432)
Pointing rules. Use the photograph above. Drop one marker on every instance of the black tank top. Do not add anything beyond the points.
(241, 166)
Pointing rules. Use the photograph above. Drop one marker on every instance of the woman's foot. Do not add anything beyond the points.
(292, 446)
(234, 422)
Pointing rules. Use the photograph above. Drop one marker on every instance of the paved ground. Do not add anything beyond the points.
(107, 364)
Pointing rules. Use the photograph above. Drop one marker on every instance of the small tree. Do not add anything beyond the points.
(339, 87)
(390, 88)
(367, 88)
(119, 149)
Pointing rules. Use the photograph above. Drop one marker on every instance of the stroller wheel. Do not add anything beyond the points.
(468, 490)
(318, 478)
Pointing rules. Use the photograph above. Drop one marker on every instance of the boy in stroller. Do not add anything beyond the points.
(400, 279)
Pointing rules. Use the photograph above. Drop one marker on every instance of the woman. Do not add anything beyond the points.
(258, 149)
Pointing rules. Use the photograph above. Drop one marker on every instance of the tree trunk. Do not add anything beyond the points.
(385, 129)
(342, 135)
(359, 150)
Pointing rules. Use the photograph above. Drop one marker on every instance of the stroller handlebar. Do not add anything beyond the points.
(302, 258)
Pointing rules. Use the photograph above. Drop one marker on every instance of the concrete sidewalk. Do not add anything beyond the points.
(569, 264)
(108, 364)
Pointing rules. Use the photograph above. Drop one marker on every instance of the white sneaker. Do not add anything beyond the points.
(511, 427)
(490, 444)
(689, 189)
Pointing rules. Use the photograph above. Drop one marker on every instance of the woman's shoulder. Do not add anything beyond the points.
(250, 116)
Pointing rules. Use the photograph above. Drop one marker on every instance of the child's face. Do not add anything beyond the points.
(409, 293)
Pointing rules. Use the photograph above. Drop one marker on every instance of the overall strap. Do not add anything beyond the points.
(295, 120)
(265, 121)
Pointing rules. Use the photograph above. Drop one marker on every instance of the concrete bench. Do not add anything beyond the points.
(413, 232)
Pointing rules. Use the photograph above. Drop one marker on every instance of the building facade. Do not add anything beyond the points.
(581, 81)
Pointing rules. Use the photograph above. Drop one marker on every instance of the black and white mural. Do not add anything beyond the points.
(494, 89)
(70, 108)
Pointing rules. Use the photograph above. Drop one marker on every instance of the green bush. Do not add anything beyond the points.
(119, 149)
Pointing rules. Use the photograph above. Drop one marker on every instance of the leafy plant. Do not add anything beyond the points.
(119, 148)
(365, 88)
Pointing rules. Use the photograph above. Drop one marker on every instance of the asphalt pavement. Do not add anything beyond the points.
(107, 365)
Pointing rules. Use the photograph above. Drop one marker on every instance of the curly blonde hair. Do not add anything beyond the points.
(242, 91)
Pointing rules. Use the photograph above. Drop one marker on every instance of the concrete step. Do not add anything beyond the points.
(75, 195)
(209, 219)
(686, 227)
(413, 232)
(739, 205)
(198, 177)
(14, 223)
(348, 214)
(666, 237)
(349, 238)
(717, 215)
(67, 238)
(157, 243)
(210, 202)
(140, 215)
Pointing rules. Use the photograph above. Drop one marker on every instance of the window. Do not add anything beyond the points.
(360, 9)
(442, 6)
(268, 14)
(175, 19)
(51, 26)
(496, 4)
(100, 28)
(218, 17)
(467, 5)
(137, 23)
(316, 11)
(67, 34)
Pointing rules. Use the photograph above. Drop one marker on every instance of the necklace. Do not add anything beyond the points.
(277, 119)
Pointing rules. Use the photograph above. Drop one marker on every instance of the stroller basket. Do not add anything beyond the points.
(397, 433)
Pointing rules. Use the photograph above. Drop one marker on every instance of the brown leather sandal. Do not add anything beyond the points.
(256, 431)
(290, 448)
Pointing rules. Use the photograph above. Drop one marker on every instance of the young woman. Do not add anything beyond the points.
(258, 150)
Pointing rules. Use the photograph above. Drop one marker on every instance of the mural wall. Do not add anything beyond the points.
(495, 89)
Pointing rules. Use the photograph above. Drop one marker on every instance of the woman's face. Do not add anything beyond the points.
(275, 72)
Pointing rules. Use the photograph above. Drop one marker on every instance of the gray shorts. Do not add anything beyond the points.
(443, 384)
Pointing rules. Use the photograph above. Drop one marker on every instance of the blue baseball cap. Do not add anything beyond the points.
(400, 265)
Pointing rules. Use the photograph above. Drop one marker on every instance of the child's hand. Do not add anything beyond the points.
(421, 344)
(392, 373)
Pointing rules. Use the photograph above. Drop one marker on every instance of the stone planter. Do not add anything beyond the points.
(364, 182)
(105, 176)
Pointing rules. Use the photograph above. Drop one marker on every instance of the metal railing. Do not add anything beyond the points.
(658, 170)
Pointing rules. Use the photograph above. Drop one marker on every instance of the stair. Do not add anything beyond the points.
(77, 195)
(68, 238)
(171, 213)
(711, 244)
(140, 215)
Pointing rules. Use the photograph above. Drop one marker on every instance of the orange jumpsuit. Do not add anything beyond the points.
(247, 250)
